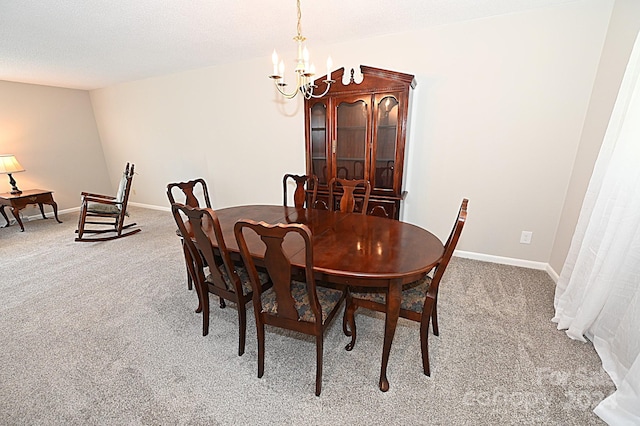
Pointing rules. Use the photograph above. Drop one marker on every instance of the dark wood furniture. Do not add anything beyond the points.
(350, 249)
(189, 191)
(359, 131)
(193, 192)
(349, 195)
(106, 213)
(304, 184)
(288, 304)
(18, 202)
(223, 278)
(419, 299)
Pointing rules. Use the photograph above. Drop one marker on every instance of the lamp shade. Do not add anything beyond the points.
(9, 164)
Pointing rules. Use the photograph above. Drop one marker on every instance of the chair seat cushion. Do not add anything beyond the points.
(244, 278)
(102, 208)
(413, 295)
(328, 298)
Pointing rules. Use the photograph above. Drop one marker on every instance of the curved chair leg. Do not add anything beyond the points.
(427, 313)
(434, 317)
(205, 311)
(242, 326)
(424, 346)
(81, 219)
(351, 321)
(260, 333)
(345, 329)
(319, 343)
(185, 249)
(191, 272)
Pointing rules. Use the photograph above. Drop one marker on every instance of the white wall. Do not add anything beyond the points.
(53, 133)
(497, 117)
(623, 29)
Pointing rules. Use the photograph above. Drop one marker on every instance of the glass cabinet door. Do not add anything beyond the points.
(319, 142)
(385, 149)
(351, 138)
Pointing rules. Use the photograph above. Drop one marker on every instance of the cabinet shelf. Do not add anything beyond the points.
(352, 128)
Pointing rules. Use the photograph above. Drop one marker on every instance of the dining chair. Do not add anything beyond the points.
(194, 192)
(289, 304)
(213, 272)
(304, 184)
(353, 194)
(105, 213)
(419, 299)
(189, 191)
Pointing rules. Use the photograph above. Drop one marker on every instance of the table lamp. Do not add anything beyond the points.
(8, 165)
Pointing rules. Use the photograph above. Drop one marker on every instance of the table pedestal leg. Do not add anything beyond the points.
(393, 312)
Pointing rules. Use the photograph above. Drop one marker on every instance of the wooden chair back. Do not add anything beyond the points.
(449, 248)
(352, 193)
(290, 304)
(123, 193)
(304, 184)
(205, 230)
(190, 189)
(278, 266)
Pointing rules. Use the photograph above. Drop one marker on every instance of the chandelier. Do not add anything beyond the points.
(303, 71)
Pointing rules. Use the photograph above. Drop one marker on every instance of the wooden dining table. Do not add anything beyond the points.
(350, 249)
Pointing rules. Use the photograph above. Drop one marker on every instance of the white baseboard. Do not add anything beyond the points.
(509, 261)
(552, 273)
(152, 207)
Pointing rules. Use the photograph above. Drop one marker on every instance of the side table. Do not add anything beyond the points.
(18, 202)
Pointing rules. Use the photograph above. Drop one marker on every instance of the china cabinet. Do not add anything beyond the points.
(359, 131)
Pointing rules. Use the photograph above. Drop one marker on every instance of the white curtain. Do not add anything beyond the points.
(598, 293)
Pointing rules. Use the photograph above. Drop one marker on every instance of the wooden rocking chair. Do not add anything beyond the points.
(107, 212)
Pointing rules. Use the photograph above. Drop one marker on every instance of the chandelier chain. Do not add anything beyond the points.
(299, 21)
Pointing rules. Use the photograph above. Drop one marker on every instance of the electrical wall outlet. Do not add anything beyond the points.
(525, 237)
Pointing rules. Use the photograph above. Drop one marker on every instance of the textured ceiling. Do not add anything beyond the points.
(88, 44)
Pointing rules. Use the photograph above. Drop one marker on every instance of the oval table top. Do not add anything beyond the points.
(348, 248)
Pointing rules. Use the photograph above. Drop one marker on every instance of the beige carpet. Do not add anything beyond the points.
(106, 334)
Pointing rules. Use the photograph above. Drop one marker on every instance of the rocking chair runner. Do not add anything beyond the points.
(107, 212)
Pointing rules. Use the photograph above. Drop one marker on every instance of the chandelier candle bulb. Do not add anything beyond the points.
(329, 66)
(305, 57)
(281, 74)
(274, 59)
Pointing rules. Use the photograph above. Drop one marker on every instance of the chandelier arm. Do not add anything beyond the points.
(285, 94)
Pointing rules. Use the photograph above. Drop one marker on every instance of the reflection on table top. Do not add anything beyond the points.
(348, 248)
